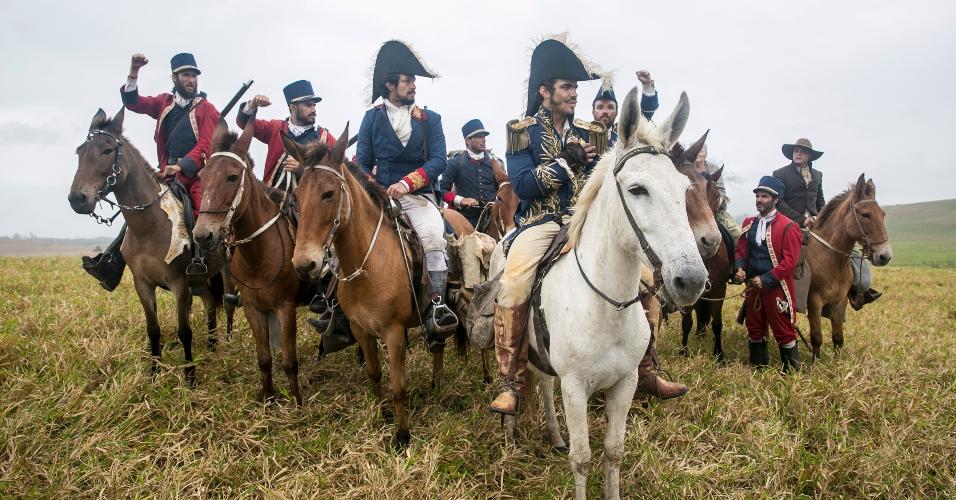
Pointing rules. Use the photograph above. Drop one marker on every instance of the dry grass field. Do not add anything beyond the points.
(81, 416)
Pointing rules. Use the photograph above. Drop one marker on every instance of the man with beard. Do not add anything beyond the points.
(300, 126)
(766, 256)
(469, 181)
(405, 145)
(185, 122)
(604, 106)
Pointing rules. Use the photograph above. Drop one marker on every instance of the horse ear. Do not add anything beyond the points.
(242, 144)
(714, 177)
(116, 124)
(690, 156)
(293, 148)
(218, 135)
(341, 144)
(674, 125)
(631, 118)
(859, 191)
(98, 119)
(870, 190)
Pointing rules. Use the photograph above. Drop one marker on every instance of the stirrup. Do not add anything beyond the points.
(442, 322)
(196, 273)
(234, 299)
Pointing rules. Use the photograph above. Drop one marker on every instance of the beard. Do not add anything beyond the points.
(408, 100)
(183, 92)
(304, 118)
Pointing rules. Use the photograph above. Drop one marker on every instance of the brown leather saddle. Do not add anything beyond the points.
(415, 256)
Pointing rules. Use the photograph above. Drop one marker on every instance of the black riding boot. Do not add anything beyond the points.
(107, 267)
(335, 330)
(790, 358)
(759, 355)
(860, 299)
(440, 321)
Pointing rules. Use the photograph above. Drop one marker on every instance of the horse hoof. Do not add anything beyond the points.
(402, 438)
(683, 352)
(561, 450)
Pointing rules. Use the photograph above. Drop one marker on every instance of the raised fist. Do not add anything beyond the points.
(644, 77)
(259, 101)
(138, 61)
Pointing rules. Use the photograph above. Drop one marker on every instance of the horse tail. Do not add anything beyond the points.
(461, 341)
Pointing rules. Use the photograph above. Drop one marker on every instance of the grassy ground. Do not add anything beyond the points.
(81, 415)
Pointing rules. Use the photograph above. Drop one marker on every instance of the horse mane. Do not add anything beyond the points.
(831, 207)
(316, 151)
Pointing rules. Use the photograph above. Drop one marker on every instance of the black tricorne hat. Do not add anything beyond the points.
(182, 62)
(300, 91)
(396, 57)
(551, 59)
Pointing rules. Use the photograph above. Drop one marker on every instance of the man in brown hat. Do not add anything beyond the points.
(802, 201)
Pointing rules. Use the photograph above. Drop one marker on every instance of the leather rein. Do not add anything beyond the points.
(864, 238)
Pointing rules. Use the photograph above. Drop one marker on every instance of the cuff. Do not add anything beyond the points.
(457, 200)
(564, 164)
(449, 197)
(739, 263)
(188, 167)
(767, 280)
(416, 180)
(243, 107)
(129, 97)
(130, 85)
(649, 90)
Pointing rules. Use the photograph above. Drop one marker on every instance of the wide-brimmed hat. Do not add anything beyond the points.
(473, 128)
(552, 59)
(805, 143)
(182, 62)
(396, 57)
(300, 91)
(770, 185)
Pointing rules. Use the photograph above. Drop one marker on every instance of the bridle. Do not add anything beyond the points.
(652, 257)
(327, 246)
(111, 179)
(864, 238)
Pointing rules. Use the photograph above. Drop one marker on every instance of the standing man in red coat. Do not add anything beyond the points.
(766, 256)
(300, 126)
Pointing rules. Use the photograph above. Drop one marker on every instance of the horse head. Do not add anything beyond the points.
(226, 180)
(700, 213)
(655, 195)
(323, 199)
(866, 224)
(99, 168)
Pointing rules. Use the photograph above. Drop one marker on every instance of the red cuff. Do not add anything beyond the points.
(417, 179)
(449, 197)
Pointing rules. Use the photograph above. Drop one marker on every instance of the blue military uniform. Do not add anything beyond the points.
(419, 162)
(471, 175)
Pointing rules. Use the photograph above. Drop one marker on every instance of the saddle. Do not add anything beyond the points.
(416, 260)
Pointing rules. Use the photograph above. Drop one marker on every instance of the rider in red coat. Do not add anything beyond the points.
(766, 256)
(300, 127)
(182, 142)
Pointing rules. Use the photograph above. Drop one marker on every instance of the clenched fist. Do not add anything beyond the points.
(259, 101)
(644, 77)
(137, 61)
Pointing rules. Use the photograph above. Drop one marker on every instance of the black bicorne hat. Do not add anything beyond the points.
(552, 59)
(300, 91)
(396, 57)
(182, 62)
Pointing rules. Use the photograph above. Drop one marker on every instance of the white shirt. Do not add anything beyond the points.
(762, 222)
(400, 117)
(297, 130)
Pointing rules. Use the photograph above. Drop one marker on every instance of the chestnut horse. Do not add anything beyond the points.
(238, 211)
(851, 217)
(342, 208)
(109, 163)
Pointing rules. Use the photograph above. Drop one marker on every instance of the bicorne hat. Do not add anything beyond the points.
(182, 62)
(788, 149)
(473, 128)
(396, 57)
(553, 58)
(770, 184)
(300, 91)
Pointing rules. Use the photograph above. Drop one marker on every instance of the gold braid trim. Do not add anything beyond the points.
(517, 137)
(416, 179)
(597, 134)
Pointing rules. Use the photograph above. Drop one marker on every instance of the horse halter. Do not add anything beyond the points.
(652, 257)
(110, 181)
(236, 200)
(864, 238)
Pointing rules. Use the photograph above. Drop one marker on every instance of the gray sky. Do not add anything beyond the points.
(869, 82)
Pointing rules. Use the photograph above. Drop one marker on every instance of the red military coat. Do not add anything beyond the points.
(203, 117)
(270, 132)
(783, 242)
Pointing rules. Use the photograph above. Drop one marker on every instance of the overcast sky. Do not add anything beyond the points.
(869, 82)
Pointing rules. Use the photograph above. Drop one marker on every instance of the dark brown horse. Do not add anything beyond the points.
(239, 212)
(851, 217)
(341, 208)
(502, 211)
(109, 163)
(709, 308)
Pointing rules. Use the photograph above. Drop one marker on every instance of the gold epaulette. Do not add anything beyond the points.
(518, 137)
(597, 134)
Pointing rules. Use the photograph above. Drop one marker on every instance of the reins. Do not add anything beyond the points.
(864, 238)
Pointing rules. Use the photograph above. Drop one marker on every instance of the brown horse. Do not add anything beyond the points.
(109, 163)
(851, 217)
(342, 208)
(498, 216)
(239, 212)
(709, 308)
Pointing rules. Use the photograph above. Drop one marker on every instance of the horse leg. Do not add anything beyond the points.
(575, 400)
(184, 302)
(617, 403)
(438, 366)
(147, 297)
(212, 313)
(717, 323)
(395, 344)
(259, 325)
(814, 315)
(290, 360)
(703, 317)
(485, 374)
(836, 324)
(546, 386)
(686, 322)
(369, 349)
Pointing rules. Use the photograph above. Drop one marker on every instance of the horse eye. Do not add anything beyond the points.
(865, 216)
(638, 190)
(232, 178)
(107, 151)
(326, 196)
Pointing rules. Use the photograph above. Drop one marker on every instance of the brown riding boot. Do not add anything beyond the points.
(649, 384)
(511, 350)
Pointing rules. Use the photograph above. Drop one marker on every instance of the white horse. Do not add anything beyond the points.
(631, 211)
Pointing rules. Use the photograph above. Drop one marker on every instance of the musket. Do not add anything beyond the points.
(232, 102)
